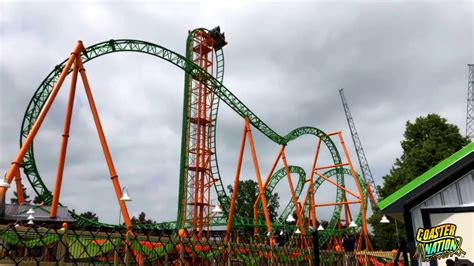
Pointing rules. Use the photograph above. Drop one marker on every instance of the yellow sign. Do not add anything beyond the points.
(438, 242)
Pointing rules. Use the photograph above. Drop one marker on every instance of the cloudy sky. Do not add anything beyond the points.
(286, 61)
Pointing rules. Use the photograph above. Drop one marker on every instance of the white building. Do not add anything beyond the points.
(442, 195)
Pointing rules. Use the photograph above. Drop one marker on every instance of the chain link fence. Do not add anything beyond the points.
(37, 245)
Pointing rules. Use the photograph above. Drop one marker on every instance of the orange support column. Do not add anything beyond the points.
(347, 210)
(365, 231)
(259, 181)
(37, 125)
(312, 199)
(255, 215)
(64, 142)
(337, 185)
(371, 195)
(19, 187)
(273, 167)
(236, 186)
(293, 194)
(309, 199)
(255, 205)
(105, 147)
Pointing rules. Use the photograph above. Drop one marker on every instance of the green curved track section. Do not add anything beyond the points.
(192, 71)
(274, 180)
(338, 171)
(278, 176)
(331, 229)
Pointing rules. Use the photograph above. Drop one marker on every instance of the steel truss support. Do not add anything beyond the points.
(198, 149)
(194, 73)
(247, 133)
(310, 198)
(294, 195)
(64, 141)
(15, 166)
(265, 186)
(363, 163)
(75, 58)
(298, 207)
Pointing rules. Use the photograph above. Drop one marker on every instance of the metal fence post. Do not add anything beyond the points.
(315, 238)
(229, 262)
(181, 254)
(126, 257)
(272, 251)
(115, 258)
(116, 254)
(61, 251)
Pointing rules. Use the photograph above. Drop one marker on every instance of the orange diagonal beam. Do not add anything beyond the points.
(293, 194)
(105, 147)
(236, 185)
(64, 142)
(259, 180)
(336, 184)
(338, 203)
(39, 121)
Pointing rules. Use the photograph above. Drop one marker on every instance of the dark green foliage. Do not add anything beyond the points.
(247, 194)
(90, 215)
(141, 219)
(428, 141)
(385, 235)
(36, 200)
(26, 197)
(324, 223)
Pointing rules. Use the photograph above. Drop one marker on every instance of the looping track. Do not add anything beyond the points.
(212, 83)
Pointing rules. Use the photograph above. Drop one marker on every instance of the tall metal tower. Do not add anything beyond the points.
(364, 165)
(470, 103)
(200, 109)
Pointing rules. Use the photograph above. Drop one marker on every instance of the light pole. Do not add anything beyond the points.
(385, 220)
(125, 198)
(352, 224)
(290, 218)
(4, 183)
(20, 216)
(217, 209)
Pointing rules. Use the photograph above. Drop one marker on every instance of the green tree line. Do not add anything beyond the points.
(427, 141)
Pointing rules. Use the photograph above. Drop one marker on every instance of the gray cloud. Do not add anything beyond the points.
(286, 61)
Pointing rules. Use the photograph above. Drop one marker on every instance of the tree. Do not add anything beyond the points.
(38, 200)
(323, 223)
(90, 215)
(14, 200)
(246, 196)
(141, 219)
(426, 142)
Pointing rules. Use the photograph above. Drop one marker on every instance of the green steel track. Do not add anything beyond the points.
(192, 71)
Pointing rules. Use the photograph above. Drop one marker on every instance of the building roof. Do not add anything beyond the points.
(464, 155)
(15, 212)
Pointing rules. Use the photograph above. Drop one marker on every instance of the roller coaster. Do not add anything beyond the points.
(204, 90)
